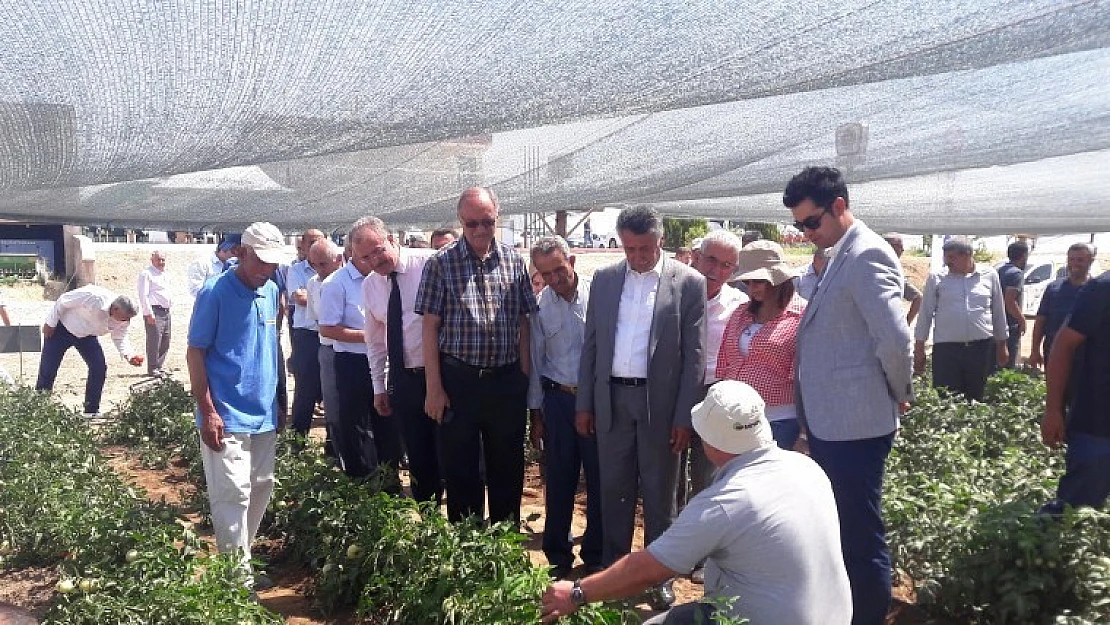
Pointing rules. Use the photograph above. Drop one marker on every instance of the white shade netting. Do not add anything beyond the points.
(986, 117)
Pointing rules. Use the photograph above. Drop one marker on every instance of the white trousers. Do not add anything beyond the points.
(240, 482)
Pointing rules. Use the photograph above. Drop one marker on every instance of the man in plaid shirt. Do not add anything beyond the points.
(475, 297)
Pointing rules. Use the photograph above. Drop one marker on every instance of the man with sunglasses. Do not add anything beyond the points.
(854, 370)
(475, 297)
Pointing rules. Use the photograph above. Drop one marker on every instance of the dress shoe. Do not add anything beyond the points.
(662, 596)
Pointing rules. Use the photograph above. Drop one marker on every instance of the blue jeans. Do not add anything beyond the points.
(855, 469)
(306, 371)
(786, 432)
(1086, 479)
(566, 453)
(55, 348)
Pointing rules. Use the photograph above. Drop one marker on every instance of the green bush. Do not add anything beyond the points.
(159, 423)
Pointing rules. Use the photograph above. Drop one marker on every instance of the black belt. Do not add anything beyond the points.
(481, 372)
(967, 343)
(413, 370)
(627, 381)
(162, 308)
(551, 385)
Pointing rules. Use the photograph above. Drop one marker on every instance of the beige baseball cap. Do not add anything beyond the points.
(731, 418)
(266, 241)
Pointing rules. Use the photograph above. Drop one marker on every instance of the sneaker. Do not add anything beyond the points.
(262, 582)
(92, 416)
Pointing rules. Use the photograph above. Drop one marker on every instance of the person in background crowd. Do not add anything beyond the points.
(441, 237)
(201, 269)
(854, 378)
(715, 258)
(1012, 277)
(76, 320)
(760, 338)
(643, 362)
(418, 241)
(910, 293)
(326, 258)
(154, 303)
(557, 332)
(767, 528)
(805, 285)
(362, 437)
(233, 368)
(1057, 301)
(683, 255)
(5, 377)
(963, 305)
(1079, 365)
(304, 336)
(395, 350)
(475, 299)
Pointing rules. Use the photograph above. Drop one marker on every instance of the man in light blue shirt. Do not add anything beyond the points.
(233, 370)
(557, 333)
(304, 337)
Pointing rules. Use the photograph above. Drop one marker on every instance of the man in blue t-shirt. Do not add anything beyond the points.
(1058, 299)
(233, 371)
(1012, 277)
(1080, 363)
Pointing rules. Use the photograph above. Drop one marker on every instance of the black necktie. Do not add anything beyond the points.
(394, 331)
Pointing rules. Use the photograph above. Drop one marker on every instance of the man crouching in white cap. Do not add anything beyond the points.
(767, 528)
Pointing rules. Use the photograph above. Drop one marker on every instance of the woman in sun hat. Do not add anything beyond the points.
(761, 336)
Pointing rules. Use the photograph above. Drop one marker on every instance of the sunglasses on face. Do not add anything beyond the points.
(480, 223)
(812, 222)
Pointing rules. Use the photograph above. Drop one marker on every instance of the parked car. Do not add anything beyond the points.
(604, 240)
(1040, 271)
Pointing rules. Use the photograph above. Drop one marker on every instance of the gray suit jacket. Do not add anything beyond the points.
(676, 350)
(855, 354)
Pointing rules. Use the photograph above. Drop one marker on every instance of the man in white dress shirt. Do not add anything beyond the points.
(557, 332)
(304, 337)
(154, 304)
(715, 258)
(76, 320)
(325, 257)
(211, 265)
(362, 437)
(394, 347)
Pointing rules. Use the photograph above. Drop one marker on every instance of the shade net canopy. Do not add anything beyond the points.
(981, 118)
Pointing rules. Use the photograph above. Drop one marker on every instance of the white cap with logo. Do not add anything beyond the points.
(266, 241)
(731, 418)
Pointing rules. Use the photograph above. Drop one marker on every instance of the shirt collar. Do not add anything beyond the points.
(494, 249)
(353, 271)
(657, 269)
(840, 244)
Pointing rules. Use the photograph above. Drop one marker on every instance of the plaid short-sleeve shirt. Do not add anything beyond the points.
(768, 366)
(480, 301)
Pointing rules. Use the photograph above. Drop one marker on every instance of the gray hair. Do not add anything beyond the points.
(1085, 247)
(722, 237)
(330, 247)
(891, 237)
(641, 219)
(549, 244)
(367, 223)
(125, 304)
(158, 254)
(958, 246)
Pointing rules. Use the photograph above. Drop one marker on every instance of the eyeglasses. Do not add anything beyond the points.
(812, 222)
(483, 223)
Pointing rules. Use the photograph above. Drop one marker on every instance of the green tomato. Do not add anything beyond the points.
(131, 556)
(353, 552)
(6, 548)
(65, 586)
(87, 585)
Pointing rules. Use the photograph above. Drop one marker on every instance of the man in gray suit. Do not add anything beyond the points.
(854, 367)
(643, 359)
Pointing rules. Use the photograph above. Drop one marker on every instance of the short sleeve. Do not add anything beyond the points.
(910, 292)
(430, 295)
(528, 303)
(1046, 300)
(332, 302)
(205, 318)
(693, 536)
(1011, 278)
(1090, 309)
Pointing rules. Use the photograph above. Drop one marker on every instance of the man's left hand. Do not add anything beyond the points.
(680, 439)
(149, 320)
(1003, 354)
(903, 406)
(556, 602)
(135, 361)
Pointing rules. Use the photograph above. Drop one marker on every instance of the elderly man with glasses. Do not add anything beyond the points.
(475, 298)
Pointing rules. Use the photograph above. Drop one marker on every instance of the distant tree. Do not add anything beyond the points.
(766, 230)
(680, 231)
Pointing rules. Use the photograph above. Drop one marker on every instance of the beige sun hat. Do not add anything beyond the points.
(731, 418)
(764, 260)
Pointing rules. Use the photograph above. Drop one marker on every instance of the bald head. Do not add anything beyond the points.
(325, 257)
(308, 237)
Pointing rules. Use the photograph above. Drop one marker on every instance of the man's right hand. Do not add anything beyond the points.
(1003, 354)
(149, 320)
(435, 401)
(212, 431)
(47, 331)
(381, 404)
(584, 423)
(1035, 359)
(1052, 427)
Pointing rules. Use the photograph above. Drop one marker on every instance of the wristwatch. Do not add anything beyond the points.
(577, 597)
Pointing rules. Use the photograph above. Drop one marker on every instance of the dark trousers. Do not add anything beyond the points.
(306, 371)
(1013, 346)
(282, 387)
(490, 409)
(855, 469)
(567, 452)
(964, 367)
(157, 339)
(55, 348)
(361, 437)
(420, 434)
